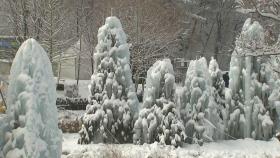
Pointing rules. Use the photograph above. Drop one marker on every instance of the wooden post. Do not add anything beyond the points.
(59, 70)
(3, 98)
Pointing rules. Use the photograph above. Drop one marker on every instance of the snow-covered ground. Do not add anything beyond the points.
(246, 148)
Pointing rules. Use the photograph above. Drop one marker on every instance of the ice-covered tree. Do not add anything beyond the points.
(4, 126)
(31, 109)
(113, 103)
(274, 101)
(251, 83)
(217, 81)
(218, 92)
(198, 108)
(159, 118)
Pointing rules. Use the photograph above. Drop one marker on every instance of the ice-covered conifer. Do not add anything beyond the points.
(113, 103)
(32, 110)
(218, 92)
(198, 108)
(159, 119)
(274, 102)
(217, 80)
(251, 83)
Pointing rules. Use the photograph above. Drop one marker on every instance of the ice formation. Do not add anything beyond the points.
(197, 105)
(33, 123)
(113, 102)
(219, 93)
(217, 82)
(251, 83)
(159, 119)
(4, 126)
(274, 103)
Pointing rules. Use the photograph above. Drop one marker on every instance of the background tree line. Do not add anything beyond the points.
(155, 28)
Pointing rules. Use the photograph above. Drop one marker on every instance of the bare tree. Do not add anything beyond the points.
(17, 13)
(208, 21)
(265, 8)
(152, 27)
(45, 20)
(268, 13)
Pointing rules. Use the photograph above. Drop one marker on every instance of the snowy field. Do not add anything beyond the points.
(246, 148)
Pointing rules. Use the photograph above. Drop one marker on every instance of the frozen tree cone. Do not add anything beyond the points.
(113, 104)
(159, 119)
(33, 120)
(198, 108)
(253, 86)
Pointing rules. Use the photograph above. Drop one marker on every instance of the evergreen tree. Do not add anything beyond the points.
(32, 111)
(159, 119)
(113, 103)
(251, 84)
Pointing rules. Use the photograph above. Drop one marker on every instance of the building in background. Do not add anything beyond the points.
(75, 58)
(180, 68)
(8, 49)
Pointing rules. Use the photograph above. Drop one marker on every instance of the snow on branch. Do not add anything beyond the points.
(195, 16)
(269, 11)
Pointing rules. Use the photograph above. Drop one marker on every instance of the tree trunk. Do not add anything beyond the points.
(79, 61)
(91, 60)
(59, 69)
(219, 35)
(24, 15)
